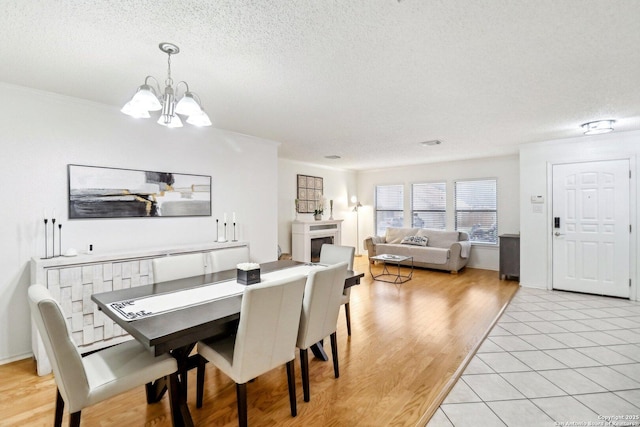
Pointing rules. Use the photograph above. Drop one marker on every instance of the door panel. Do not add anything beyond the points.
(591, 245)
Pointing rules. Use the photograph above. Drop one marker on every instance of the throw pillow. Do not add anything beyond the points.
(415, 240)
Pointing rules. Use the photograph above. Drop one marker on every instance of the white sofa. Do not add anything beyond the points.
(437, 249)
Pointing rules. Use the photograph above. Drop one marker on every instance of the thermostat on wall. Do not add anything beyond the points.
(537, 199)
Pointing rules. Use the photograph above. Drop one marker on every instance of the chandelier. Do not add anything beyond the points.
(148, 98)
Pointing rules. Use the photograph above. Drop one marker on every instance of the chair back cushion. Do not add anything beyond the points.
(334, 254)
(321, 304)
(268, 327)
(177, 267)
(65, 358)
(227, 259)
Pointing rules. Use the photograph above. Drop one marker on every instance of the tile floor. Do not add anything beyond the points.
(554, 358)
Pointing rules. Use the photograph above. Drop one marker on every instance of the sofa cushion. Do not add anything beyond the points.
(415, 240)
(423, 254)
(439, 238)
(396, 234)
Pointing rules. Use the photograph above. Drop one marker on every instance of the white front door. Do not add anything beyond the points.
(591, 228)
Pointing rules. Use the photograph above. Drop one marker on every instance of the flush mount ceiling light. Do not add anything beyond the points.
(597, 127)
(147, 98)
(332, 157)
(430, 143)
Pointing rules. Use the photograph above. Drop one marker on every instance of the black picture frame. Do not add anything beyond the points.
(309, 191)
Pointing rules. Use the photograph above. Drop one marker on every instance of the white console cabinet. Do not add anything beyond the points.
(72, 281)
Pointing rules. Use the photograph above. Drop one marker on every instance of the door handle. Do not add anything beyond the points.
(557, 233)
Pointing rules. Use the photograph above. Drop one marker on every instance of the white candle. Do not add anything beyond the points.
(234, 217)
(44, 213)
(53, 215)
(225, 217)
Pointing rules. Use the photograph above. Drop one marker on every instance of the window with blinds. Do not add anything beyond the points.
(429, 205)
(389, 207)
(476, 209)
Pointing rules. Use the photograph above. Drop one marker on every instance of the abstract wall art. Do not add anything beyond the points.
(101, 192)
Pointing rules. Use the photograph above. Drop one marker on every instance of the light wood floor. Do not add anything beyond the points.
(408, 342)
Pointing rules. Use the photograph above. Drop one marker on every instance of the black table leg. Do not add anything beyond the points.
(181, 413)
(182, 356)
(156, 390)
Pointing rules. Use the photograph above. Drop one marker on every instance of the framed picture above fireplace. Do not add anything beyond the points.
(309, 192)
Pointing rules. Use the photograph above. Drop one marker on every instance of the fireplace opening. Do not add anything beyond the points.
(316, 245)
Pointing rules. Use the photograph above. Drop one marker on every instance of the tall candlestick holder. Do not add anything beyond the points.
(53, 237)
(59, 239)
(234, 233)
(46, 246)
(223, 238)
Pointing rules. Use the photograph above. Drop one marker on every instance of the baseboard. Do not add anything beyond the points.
(15, 358)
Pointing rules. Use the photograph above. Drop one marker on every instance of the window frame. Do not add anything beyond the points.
(377, 211)
(456, 210)
(443, 211)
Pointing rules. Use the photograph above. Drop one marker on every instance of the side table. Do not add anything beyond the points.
(509, 256)
(396, 260)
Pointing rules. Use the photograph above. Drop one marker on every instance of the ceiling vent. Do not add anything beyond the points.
(430, 143)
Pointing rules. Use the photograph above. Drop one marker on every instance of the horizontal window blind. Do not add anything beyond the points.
(389, 207)
(429, 204)
(476, 209)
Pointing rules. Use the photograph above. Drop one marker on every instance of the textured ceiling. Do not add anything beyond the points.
(363, 79)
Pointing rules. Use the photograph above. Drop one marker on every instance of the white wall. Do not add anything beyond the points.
(504, 169)
(339, 185)
(535, 163)
(40, 133)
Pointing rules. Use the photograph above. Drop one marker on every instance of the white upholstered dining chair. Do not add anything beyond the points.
(175, 267)
(266, 339)
(333, 254)
(319, 316)
(84, 381)
(227, 259)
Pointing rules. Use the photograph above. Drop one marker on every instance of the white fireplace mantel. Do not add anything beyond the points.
(302, 232)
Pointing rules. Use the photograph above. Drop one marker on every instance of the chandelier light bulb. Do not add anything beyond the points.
(199, 119)
(134, 112)
(170, 121)
(146, 99)
(188, 106)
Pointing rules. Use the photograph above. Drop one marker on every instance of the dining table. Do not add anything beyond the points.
(172, 316)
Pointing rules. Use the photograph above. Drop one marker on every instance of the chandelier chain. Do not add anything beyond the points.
(169, 81)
